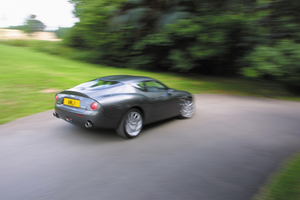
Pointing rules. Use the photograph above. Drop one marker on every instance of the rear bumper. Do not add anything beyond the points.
(81, 117)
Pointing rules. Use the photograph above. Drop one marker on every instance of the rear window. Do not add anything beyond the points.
(99, 84)
(104, 83)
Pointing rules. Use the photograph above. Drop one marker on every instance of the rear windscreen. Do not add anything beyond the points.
(99, 84)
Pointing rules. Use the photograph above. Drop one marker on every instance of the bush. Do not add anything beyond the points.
(279, 62)
(55, 48)
(62, 32)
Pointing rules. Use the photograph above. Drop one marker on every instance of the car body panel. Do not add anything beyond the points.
(116, 99)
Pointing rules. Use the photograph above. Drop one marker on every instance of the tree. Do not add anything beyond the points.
(277, 55)
(205, 36)
(32, 25)
(279, 62)
(61, 32)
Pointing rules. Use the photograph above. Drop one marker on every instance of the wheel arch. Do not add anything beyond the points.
(120, 127)
(140, 109)
(133, 107)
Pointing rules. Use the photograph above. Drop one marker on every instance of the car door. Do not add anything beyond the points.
(159, 97)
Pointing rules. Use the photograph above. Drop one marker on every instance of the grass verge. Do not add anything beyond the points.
(284, 185)
(26, 73)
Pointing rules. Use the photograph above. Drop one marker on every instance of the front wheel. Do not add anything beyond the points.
(187, 108)
(131, 124)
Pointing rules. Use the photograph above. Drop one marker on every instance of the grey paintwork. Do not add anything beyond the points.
(115, 100)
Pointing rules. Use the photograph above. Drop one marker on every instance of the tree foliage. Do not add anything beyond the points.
(280, 62)
(62, 32)
(277, 56)
(32, 25)
(217, 37)
(182, 35)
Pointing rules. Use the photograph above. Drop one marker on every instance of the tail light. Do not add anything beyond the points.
(56, 97)
(94, 106)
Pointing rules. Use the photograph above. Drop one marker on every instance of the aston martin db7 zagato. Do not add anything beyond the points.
(124, 103)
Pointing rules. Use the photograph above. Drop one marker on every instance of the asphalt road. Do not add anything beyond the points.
(226, 151)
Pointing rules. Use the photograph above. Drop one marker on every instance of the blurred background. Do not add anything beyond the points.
(245, 38)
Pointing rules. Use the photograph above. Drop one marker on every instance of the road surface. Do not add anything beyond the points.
(226, 151)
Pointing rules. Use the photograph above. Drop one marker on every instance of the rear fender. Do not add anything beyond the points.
(114, 106)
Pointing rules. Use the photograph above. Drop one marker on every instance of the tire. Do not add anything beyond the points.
(131, 124)
(187, 108)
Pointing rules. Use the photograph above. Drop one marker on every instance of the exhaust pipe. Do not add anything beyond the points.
(88, 124)
(55, 115)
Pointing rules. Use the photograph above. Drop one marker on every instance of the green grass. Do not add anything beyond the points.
(284, 185)
(24, 73)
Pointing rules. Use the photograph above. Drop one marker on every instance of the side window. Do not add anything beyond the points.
(139, 86)
(153, 86)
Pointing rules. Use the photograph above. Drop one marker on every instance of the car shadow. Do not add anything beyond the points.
(105, 135)
(148, 127)
(91, 135)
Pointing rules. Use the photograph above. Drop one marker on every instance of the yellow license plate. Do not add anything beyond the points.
(72, 102)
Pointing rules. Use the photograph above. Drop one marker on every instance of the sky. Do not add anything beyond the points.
(53, 13)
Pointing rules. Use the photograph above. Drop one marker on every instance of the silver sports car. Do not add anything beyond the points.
(124, 103)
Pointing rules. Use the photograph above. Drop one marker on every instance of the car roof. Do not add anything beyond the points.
(126, 78)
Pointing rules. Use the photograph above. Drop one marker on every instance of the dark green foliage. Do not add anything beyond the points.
(216, 37)
(209, 44)
(62, 32)
(280, 62)
(277, 56)
(283, 20)
(181, 35)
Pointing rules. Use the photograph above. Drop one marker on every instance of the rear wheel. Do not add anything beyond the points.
(187, 108)
(131, 124)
